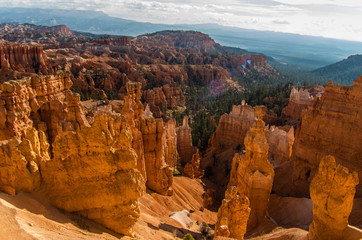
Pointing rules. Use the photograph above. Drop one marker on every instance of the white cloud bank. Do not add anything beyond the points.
(328, 18)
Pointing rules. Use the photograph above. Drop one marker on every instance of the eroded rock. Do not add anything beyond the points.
(233, 214)
(332, 191)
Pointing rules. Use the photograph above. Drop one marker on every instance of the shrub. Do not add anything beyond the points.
(188, 237)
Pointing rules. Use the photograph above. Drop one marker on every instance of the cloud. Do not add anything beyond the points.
(329, 18)
(280, 22)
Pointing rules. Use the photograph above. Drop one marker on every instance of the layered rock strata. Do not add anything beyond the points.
(331, 125)
(49, 147)
(332, 191)
(252, 173)
(232, 216)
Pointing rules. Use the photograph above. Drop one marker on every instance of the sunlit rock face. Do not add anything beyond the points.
(252, 173)
(80, 164)
(331, 125)
(332, 191)
(233, 214)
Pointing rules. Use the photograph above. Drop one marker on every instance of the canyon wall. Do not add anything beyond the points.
(332, 125)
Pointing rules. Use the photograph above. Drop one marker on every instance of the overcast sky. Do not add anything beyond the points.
(329, 18)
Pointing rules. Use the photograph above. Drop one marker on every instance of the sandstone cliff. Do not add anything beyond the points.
(184, 142)
(331, 125)
(227, 140)
(155, 142)
(83, 165)
(159, 174)
(23, 58)
(252, 173)
(192, 168)
(332, 191)
(164, 97)
(299, 100)
(280, 145)
(233, 214)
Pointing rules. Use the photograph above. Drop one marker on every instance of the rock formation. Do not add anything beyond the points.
(155, 142)
(227, 140)
(331, 125)
(164, 97)
(159, 174)
(209, 198)
(233, 214)
(280, 145)
(50, 148)
(23, 58)
(192, 168)
(97, 163)
(332, 191)
(299, 100)
(252, 173)
(184, 142)
(171, 154)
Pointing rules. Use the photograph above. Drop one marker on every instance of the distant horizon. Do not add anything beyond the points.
(336, 19)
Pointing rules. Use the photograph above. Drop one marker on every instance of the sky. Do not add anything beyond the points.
(340, 19)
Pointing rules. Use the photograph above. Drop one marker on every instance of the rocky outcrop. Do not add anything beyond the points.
(171, 143)
(299, 100)
(280, 145)
(161, 99)
(99, 164)
(154, 142)
(23, 58)
(252, 173)
(79, 164)
(184, 142)
(331, 125)
(192, 168)
(123, 40)
(233, 214)
(332, 191)
(159, 174)
(227, 140)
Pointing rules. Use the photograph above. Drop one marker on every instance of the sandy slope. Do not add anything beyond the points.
(24, 216)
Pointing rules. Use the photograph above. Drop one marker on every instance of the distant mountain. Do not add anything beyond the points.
(305, 52)
(343, 72)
